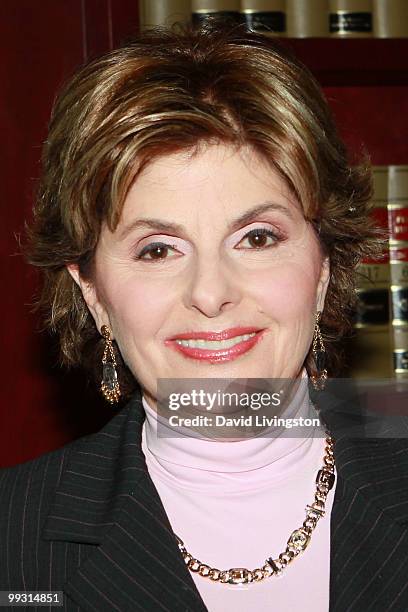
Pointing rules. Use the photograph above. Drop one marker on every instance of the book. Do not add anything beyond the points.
(390, 18)
(350, 18)
(370, 350)
(398, 224)
(216, 9)
(265, 16)
(163, 12)
(307, 18)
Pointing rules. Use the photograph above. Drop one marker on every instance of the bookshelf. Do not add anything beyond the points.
(354, 61)
(366, 84)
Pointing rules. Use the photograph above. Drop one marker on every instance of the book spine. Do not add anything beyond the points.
(265, 16)
(165, 12)
(371, 348)
(215, 9)
(350, 18)
(398, 223)
(307, 18)
(390, 18)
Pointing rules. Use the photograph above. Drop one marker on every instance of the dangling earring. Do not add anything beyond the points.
(109, 385)
(319, 355)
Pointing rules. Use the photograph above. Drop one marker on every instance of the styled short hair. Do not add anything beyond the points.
(174, 89)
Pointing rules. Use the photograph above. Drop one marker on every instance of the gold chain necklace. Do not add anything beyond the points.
(298, 540)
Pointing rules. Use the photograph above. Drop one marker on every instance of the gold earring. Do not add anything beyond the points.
(109, 386)
(319, 355)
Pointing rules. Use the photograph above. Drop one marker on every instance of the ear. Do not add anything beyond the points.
(323, 283)
(90, 296)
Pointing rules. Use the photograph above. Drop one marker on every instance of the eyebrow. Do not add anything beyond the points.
(167, 226)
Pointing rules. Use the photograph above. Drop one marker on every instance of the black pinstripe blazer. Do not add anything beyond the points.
(86, 519)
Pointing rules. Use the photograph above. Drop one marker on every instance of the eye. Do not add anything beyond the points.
(258, 238)
(156, 251)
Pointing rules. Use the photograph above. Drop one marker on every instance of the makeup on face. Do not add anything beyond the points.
(212, 271)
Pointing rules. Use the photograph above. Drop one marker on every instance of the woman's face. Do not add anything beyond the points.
(209, 244)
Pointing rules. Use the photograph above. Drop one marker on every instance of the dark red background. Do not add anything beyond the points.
(42, 43)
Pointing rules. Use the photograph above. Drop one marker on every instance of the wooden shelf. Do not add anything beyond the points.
(353, 61)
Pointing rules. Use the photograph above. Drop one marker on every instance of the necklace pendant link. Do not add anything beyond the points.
(326, 478)
(316, 510)
(259, 574)
(298, 540)
(194, 565)
(214, 574)
(239, 575)
(273, 565)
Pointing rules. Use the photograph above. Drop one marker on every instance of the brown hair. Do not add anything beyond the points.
(172, 89)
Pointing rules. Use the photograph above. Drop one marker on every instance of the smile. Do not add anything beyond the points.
(216, 350)
(215, 344)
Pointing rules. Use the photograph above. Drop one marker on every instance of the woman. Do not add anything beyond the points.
(198, 218)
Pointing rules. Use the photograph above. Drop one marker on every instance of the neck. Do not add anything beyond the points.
(191, 459)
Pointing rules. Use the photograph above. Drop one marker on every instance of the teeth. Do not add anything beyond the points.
(214, 344)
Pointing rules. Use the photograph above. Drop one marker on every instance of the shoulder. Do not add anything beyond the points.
(26, 486)
(27, 489)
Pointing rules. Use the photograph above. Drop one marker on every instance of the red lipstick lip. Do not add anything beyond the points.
(226, 334)
(216, 355)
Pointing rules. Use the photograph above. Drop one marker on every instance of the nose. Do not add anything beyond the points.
(214, 287)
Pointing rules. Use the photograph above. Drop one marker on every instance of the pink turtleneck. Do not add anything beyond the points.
(235, 503)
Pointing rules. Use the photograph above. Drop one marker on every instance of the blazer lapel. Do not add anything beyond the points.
(106, 499)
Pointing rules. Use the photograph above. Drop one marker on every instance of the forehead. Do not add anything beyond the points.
(215, 178)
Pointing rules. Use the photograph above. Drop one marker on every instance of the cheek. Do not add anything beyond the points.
(137, 309)
(286, 293)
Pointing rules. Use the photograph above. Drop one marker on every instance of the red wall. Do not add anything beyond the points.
(41, 43)
(374, 117)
